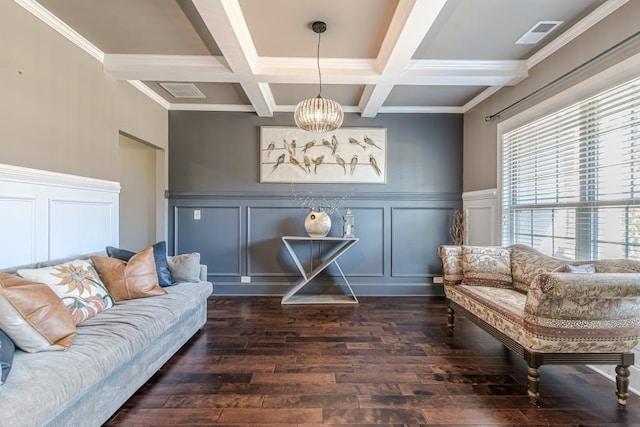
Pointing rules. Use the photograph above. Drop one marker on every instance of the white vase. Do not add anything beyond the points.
(317, 224)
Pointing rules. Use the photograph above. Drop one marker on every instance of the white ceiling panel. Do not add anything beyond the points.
(377, 56)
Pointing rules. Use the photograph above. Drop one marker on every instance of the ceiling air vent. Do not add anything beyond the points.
(182, 90)
(538, 32)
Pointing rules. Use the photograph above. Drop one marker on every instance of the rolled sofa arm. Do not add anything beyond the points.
(590, 297)
(203, 273)
(451, 264)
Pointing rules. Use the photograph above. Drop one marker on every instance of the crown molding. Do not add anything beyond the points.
(150, 93)
(212, 107)
(420, 110)
(607, 8)
(481, 97)
(52, 21)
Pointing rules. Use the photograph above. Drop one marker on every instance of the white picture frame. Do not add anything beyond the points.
(346, 155)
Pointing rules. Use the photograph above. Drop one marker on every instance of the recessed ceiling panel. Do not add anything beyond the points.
(355, 28)
(127, 26)
(291, 94)
(215, 93)
(432, 96)
(488, 29)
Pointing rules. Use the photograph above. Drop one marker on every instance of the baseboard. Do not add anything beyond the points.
(373, 290)
(609, 373)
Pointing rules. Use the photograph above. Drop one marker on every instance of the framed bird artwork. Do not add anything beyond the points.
(346, 155)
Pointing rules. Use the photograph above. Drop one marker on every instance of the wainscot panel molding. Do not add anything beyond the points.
(239, 237)
(483, 218)
(214, 232)
(46, 215)
(416, 234)
(265, 195)
(214, 160)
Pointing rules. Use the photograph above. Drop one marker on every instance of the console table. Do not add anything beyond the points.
(291, 295)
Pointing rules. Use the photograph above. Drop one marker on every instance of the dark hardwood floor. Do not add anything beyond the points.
(386, 361)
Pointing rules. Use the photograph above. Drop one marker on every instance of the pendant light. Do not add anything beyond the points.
(318, 114)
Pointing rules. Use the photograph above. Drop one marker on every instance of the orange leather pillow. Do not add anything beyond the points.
(129, 280)
(33, 316)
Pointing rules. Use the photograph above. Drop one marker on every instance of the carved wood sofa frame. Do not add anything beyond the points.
(535, 360)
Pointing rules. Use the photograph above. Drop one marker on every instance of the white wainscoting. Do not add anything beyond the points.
(483, 221)
(47, 215)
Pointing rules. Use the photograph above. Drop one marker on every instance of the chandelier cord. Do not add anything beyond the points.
(318, 64)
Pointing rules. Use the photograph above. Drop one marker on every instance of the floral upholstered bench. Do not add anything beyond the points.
(548, 310)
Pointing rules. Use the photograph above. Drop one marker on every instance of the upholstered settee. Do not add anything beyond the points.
(548, 310)
(114, 353)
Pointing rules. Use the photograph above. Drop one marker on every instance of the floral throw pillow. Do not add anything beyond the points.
(486, 266)
(77, 284)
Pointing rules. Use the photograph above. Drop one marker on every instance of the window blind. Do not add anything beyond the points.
(571, 180)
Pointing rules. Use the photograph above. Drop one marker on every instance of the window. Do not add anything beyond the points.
(571, 180)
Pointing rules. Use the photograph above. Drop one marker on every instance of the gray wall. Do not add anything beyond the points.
(481, 138)
(213, 167)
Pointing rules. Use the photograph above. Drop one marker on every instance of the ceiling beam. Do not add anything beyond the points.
(177, 68)
(205, 68)
(227, 25)
(409, 25)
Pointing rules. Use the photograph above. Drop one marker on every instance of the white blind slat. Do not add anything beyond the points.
(571, 180)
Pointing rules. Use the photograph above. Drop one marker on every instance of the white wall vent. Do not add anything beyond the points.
(538, 32)
(182, 90)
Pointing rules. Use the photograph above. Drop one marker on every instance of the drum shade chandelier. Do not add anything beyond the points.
(318, 114)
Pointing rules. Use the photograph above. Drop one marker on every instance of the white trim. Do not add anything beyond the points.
(489, 193)
(54, 22)
(419, 109)
(481, 97)
(583, 25)
(150, 93)
(23, 175)
(212, 107)
(481, 202)
(615, 74)
(241, 63)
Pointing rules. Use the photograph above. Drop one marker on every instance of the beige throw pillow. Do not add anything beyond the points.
(33, 316)
(185, 268)
(77, 284)
(486, 266)
(136, 278)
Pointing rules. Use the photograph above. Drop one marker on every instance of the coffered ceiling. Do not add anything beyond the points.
(377, 56)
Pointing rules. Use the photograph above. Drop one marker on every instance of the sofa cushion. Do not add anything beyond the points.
(7, 348)
(186, 267)
(33, 316)
(486, 266)
(53, 383)
(527, 263)
(129, 280)
(579, 269)
(77, 284)
(159, 256)
(616, 266)
(504, 309)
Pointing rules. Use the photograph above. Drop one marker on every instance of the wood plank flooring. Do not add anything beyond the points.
(386, 361)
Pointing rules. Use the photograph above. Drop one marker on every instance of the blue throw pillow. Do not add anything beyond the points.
(159, 255)
(7, 348)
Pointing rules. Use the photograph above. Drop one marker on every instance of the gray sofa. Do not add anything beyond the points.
(114, 353)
